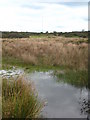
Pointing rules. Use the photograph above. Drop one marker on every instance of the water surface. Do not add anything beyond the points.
(63, 100)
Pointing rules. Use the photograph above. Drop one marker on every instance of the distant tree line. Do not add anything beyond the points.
(83, 34)
(16, 34)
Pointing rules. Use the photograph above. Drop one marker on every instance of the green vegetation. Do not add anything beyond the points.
(12, 34)
(42, 36)
(77, 78)
(9, 62)
(19, 99)
(83, 34)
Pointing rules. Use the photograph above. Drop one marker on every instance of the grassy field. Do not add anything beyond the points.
(59, 51)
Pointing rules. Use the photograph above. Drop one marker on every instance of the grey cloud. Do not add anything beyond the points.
(69, 4)
(73, 4)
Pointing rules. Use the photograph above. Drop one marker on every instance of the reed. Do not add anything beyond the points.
(49, 51)
(19, 99)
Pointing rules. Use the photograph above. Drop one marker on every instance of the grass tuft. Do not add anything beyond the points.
(19, 99)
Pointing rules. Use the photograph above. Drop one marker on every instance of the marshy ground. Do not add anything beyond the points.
(66, 57)
(59, 51)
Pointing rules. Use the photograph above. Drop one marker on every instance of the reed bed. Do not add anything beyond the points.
(71, 52)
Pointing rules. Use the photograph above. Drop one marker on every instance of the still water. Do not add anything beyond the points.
(63, 100)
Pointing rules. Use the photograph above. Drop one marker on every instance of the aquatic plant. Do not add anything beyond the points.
(76, 78)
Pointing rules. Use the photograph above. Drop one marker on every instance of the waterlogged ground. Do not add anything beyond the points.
(11, 73)
(62, 100)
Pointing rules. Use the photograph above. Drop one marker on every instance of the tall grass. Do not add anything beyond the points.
(19, 99)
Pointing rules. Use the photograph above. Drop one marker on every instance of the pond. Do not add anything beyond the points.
(62, 99)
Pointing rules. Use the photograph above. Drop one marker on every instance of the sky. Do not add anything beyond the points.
(43, 15)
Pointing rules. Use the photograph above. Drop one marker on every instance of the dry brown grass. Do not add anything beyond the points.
(50, 51)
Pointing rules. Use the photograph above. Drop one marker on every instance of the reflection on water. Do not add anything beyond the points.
(62, 100)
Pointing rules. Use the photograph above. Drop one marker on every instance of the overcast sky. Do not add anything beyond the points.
(43, 15)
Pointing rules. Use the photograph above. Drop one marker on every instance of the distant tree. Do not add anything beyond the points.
(55, 33)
